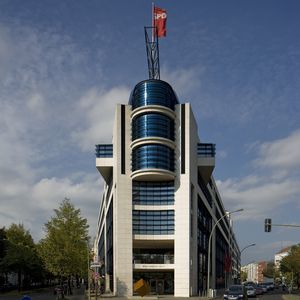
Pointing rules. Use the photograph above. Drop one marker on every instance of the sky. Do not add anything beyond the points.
(65, 64)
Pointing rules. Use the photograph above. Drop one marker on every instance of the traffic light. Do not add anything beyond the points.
(268, 225)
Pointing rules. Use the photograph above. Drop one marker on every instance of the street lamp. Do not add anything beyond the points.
(247, 247)
(250, 245)
(209, 242)
(88, 269)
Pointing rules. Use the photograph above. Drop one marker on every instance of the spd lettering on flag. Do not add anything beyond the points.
(160, 21)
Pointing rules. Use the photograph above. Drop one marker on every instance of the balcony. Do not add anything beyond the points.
(104, 160)
(206, 160)
(104, 150)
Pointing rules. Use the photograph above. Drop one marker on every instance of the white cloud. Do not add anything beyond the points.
(36, 104)
(40, 81)
(96, 110)
(281, 154)
(184, 81)
(222, 154)
(258, 198)
(33, 204)
(267, 193)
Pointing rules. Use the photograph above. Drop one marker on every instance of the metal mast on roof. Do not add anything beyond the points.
(152, 49)
(152, 53)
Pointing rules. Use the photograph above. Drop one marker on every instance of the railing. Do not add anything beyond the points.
(104, 150)
(206, 150)
(153, 258)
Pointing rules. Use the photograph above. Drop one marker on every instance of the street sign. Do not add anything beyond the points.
(95, 265)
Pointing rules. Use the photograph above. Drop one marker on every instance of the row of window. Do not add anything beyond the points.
(153, 221)
(152, 124)
(153, 193)
(153, 156)
(153, 92)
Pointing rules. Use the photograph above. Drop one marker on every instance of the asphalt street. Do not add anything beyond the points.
(78, 294)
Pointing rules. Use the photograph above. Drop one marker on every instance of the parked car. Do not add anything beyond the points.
(236, 292)
(263, 287)
(251, 292)
(270, 285)
(6, 287)
(259, 290)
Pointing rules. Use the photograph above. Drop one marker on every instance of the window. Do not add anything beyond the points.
(153, 221)
(153, 193)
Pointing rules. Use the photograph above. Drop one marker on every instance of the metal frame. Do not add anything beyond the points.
(152, 52)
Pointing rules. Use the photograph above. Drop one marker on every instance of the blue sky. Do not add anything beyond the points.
(65, 64)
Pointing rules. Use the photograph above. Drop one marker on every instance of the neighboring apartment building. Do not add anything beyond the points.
(251, 271)
(261, 266)
(160, 200)
(254, 271)
(280, 255)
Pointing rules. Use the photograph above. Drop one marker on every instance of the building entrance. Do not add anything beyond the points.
(157, 286)
(161, 283)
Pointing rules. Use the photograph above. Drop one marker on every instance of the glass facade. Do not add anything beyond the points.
(153, 193)
(154, 156)
(153, 256)
(109, 246)
(203, 231)
(152, 124)
(221, 249)
(153, 92)
(153, 221)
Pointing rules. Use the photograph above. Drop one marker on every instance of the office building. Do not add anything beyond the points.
(160, 200)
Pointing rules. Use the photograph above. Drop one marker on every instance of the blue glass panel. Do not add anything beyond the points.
(153, 193)
(153, 156)
(153, 92)
(104, 150)
(153, 222)
(156, 125)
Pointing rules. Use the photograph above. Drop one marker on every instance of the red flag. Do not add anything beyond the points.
(160, 21)
(227, 262)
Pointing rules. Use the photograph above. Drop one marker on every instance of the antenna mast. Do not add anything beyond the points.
(152, 52)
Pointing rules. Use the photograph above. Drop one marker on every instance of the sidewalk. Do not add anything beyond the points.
(153, 297)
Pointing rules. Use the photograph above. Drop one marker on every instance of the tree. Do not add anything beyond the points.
(290, 265)
(2, 254)
(21, 255)
(244, 276)
(269, 270)
(64, 249)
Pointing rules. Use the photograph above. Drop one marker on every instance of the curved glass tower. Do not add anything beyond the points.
(160, 199)
(153, 137)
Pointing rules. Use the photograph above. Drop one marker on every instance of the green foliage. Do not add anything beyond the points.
(20, 253)
(3, 246)
(243, 276)
(290, 265)
(64, 249)
(269, 271)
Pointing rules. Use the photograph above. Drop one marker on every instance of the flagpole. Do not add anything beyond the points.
(153, 22)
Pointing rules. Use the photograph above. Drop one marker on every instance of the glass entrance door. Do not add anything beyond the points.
(160, 287)
(157, 286)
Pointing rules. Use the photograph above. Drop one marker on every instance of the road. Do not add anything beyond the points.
(79, 295)
(271, 295)
(274, 295)
(47, 294)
